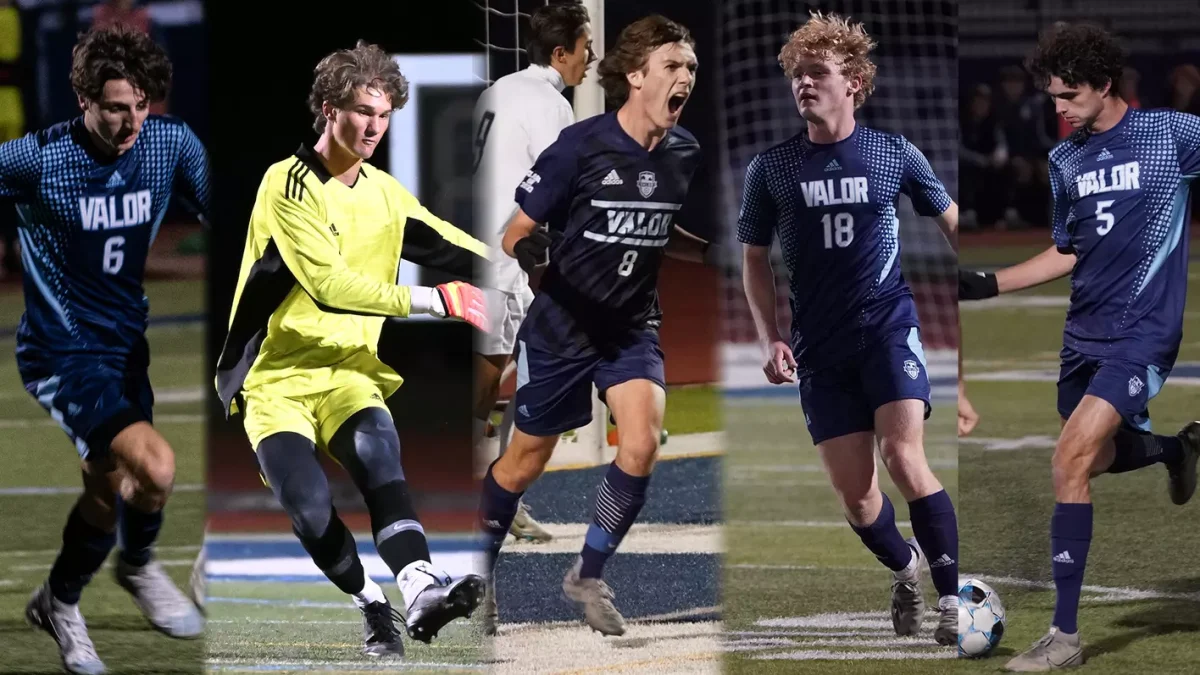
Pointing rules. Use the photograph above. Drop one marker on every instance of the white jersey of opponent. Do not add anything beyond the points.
(516, 118)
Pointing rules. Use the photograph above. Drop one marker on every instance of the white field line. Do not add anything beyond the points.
(45, 491)
(31, 423)
(54, 551)
(642, 538)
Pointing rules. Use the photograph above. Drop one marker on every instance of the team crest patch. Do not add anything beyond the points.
(646, 183)
(1135, 385)
(911, 369)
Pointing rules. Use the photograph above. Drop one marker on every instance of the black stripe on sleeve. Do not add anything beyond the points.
(424, 246)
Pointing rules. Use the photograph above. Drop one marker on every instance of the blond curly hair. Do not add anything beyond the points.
(829, 36)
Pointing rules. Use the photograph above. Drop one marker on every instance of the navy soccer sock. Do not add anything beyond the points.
(618, 503)
(884, 540)
(936, 528)
(84, 550)
(497, 510)
(1070, 537)
(139, 530)
(1137, 449)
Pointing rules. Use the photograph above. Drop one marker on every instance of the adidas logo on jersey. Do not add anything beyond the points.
(612, 179)
(1064, 558)
(833, 166)
(115, 180)
(524, 411)
(942, 561)
(1104, 154)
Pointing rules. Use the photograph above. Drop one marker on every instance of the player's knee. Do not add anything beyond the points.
(861, 511)
(99, 508)
(524, 460)
(368, 446)
(310, 509)
(639, 452)
(902, 457)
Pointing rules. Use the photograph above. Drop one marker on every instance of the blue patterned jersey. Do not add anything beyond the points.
(86, 225)
(615, 204)
(1121, 205)
(833, 207)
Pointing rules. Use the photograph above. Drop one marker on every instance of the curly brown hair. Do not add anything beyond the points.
(119, 53)
(632, 53)
(1078, 54)
(829, 36)
(339, 74)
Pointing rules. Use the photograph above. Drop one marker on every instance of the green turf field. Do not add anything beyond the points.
(1143, 613)
(791, 560)
(313, 625)
(38, 454)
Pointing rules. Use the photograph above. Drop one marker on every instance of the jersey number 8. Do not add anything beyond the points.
(114, 257)
(839, 229)
(627, 260)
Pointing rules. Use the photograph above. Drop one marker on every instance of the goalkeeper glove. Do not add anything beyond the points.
(976, 285)
(461, 300)
(533, 252)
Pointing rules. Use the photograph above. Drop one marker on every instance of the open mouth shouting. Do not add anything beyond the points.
(676, 102)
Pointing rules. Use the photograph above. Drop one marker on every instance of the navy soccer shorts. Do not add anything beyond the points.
(842, 399)
(92, 399)
(554, 391)
(1127, 385)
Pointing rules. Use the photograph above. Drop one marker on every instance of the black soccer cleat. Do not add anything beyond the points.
(1181, 483)
(380, 635)
(437, 606)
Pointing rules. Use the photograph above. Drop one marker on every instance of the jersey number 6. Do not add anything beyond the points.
(114, 257)
(839, 229)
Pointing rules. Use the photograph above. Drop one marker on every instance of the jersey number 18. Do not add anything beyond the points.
(839, 229)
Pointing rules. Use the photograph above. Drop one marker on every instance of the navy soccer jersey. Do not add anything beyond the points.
(86, 225)
(833, 207)
(1121, 204)
(615, 204)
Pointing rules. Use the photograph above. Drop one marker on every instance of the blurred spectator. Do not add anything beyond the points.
(12, 120)
(981, 160)
(1127, 88)
(1185, 83)
(126, 12)
(1025, 120)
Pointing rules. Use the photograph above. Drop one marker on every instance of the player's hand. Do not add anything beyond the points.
(781, 365)
(533, 252)
(976, 285)
(463, 301)
(967, 417)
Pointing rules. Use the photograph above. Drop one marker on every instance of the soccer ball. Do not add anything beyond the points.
(980, 619)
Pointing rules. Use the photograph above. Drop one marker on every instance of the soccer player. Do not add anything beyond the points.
(90, 194)
(830, 194)
(608, 190)
(518, 117)
(301, 362)
(1120, 189)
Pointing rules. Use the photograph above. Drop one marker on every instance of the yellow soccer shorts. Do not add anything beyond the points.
(316, 417)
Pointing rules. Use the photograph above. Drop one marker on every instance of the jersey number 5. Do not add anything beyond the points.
(481, 136)
(1105, 217)
(114, 257)
(839, 229)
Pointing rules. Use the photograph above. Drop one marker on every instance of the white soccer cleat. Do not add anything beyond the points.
(908, 603)
(596, 598)
(65, 624)
(162, 603)
(434, 599)
(525, 527)
(1056, 650)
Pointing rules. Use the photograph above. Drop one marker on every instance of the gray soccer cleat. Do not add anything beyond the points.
(597, 600)
(162, 603)
(1181, 483)
(1054, 651)
(946, 632)
(908, 604)
(525, 527)
(491, 615)
(65, 624)
(380, 635)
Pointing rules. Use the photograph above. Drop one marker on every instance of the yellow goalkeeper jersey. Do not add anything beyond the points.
(318, 279)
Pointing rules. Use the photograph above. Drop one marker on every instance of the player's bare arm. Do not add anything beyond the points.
(688, 247)
(1042, 268)
(759, 280)
(948, 222)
